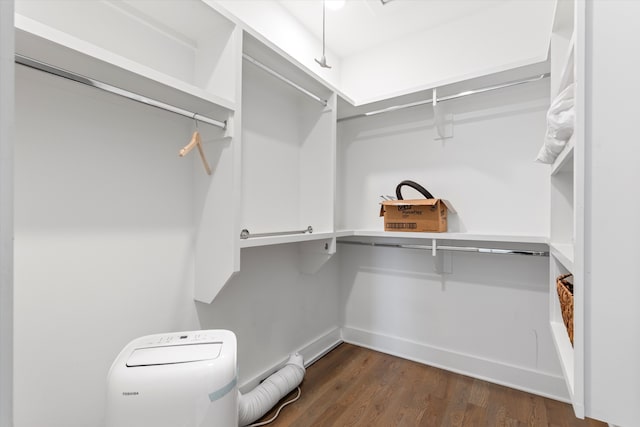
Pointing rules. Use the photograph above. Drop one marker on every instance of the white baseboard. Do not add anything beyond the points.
(320, 346)
(531, 381)
(310, 352)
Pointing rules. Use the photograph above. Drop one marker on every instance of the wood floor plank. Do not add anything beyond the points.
(337, 378)
(474, 416)
(346, 377)
(409, 399)
(354, 386)
(457, 398)
(497, 416)
(479, 394)
(538, 415)
(434, 410)
(365, 402)
(386, 397)
(519, 405)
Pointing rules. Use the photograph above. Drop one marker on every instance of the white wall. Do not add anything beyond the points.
(104, 246)
(272, 306)
(104, 237)
(104, 253)
(6, 212)
(612, 317)
(287, 155)
(489, 318)
(277, 25)
(509, 35)
(486, 170)
(135, 38)
(512, 34)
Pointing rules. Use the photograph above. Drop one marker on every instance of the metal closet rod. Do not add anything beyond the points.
(284, 79)
(245, 234)
(450, 248)
(47, 68)
(447, 98)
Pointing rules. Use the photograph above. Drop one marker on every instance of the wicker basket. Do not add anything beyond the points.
(565, 294)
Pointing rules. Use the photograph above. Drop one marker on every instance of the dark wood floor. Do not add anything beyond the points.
(354, 386)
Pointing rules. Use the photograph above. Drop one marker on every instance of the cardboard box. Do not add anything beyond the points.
(415, 215)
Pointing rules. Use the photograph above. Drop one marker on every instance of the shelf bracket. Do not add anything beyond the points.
(443, 262)
(314, 254)
(443, 122)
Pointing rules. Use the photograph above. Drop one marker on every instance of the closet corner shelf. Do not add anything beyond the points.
(563, 252)
(51, 46)
(294, 238)
(565, 354)
(564, 162)
(505, 238)
(289, 238)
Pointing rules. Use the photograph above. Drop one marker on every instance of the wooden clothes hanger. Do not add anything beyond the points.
(196, 141)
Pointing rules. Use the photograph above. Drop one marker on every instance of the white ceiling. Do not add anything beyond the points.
(364, 24)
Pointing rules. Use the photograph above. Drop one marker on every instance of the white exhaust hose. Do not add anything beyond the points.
(261, 399)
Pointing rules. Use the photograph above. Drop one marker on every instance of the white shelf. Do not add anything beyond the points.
(563, 252)
(288, 146)
(46, 44)
(346, 107)
(567, 197)
(294, 238)
(264, 52)
(447, 236)
(279, 240)
(565, 354)
(564, 162)
(567, 61)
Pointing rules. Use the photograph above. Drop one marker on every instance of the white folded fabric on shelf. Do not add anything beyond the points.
(560, 124)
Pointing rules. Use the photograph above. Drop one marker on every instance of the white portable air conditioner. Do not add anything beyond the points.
(185, 379)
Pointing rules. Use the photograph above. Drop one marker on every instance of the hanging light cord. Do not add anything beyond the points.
(323, 61)
(324, 11)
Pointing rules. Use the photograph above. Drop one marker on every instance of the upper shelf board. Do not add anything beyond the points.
(285, 67)
(278, 240)
(564, 162)
(475, 237)
(51, 46)
(347, 109)
(471, 237)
